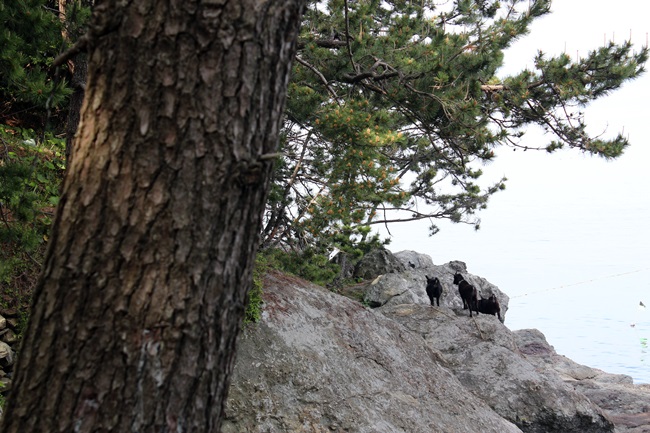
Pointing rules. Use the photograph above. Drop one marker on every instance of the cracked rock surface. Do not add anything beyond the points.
(322, 362)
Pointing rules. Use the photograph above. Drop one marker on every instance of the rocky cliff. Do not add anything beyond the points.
(322, 362)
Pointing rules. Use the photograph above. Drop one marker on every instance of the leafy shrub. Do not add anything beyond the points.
(254, 301)
(30, 177)
(309, 264)
(30, 38)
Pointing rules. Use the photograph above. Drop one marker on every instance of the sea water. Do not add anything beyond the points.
(597, 323)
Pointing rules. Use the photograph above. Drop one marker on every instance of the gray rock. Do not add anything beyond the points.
(395, 289)
(5, 383)
(414, 260)
(319, 362)
(322, 362)
(377, 262)
(12, 322)
(6, 355)
(482, 354)
(409, 287)
(626, 404)
(8, 336)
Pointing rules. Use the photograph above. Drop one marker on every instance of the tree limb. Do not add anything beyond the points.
(78, 47)
(323, 43)
(320, 75)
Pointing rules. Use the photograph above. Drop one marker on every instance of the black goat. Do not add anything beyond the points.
(468, 294)
(490, 306)
(434, 289)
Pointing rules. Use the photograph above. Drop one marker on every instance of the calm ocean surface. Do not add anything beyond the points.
(609, 331)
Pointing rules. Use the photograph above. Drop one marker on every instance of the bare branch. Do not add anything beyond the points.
(320, 75)
(347, 37)
(323, 43)
(78, 47)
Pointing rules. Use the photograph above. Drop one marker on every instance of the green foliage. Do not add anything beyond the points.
(31, 164)
(30, 175)
(254, 305)
(32, 34)
(77, 17)
(393, 107)
(30, 38)
(308, 264)
(254, 301)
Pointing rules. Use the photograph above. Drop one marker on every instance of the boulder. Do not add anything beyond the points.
(402, 288)
(13, 322)
(481, 353)
(377, 262)
(9, 312)
(409, 287)
(6, 355)
(5, 384)
(414, 260)
(626, 404)
(320, 362)
(8, 336)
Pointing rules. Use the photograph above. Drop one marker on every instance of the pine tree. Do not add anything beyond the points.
(30, 38)
(152, 249)
(394, 105)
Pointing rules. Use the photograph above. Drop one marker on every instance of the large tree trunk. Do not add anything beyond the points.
(142, 294)
(79, 68)
(78, 84)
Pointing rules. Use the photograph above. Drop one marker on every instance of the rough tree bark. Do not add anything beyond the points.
(79, 68)
(77, 83)
(142, 293)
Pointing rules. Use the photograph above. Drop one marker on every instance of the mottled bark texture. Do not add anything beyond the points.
(78, 66)
(77, 83)
(142, 293)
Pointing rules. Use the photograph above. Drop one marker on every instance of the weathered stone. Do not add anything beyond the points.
(414, 260)
(6, 355)
(9, 337)
(377, 262)
(5, 384)
(626, 404)
(482, 355)
(391, 289)
(321, 362)
(12, 322)
(409, 287)
(9, 312)
(3, 323)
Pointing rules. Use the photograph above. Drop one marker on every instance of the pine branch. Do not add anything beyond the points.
(347, 37)
(107, 24)
(320, 75)
(71, 52)
(323, 43)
